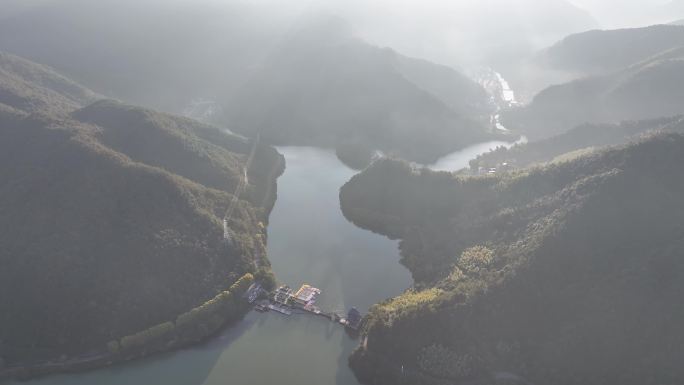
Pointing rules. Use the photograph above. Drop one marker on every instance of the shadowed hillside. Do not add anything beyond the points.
(111, 223)
(540, 274)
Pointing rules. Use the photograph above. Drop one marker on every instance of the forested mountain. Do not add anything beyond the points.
(111, 218)
(324, 87)
(30, 87)
(568, 273)
(223, 42)
(650, 89)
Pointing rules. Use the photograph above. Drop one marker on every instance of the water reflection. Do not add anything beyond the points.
(459, 159)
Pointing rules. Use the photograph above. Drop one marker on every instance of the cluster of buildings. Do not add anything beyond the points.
(502, 167)
(284, 299)
(303, 298)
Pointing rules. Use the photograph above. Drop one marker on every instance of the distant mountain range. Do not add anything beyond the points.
(641, 80)
(604, 51)
(327, 89)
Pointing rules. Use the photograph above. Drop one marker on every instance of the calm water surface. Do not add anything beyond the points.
(309, 241)
(459, 159)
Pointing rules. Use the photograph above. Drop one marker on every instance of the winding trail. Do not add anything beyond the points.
(244, 181)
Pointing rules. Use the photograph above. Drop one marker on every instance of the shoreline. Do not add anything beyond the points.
(105, 358)
(29, 372)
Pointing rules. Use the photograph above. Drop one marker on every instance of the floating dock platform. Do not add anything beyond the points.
(286, 301)
(306, 295)
(280, 309)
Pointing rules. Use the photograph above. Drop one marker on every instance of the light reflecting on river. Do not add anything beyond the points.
(309, 241)
(460, 159)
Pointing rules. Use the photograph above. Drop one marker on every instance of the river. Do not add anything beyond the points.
(503, 97)
(459, 160)
(309, 242)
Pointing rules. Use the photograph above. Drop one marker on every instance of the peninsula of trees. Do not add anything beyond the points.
(563, 273)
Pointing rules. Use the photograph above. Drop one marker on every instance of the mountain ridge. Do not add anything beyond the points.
(31, 87)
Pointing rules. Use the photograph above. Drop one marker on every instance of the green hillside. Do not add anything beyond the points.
(30, 87)
(111, 223)
(568, 273)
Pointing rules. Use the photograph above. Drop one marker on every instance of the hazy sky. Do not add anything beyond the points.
(460, 32)
(453, 32)
(629, 13)
(464, 33)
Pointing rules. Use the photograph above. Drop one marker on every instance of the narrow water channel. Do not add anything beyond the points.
(460, 159)
(503, 97)
(309, 242)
